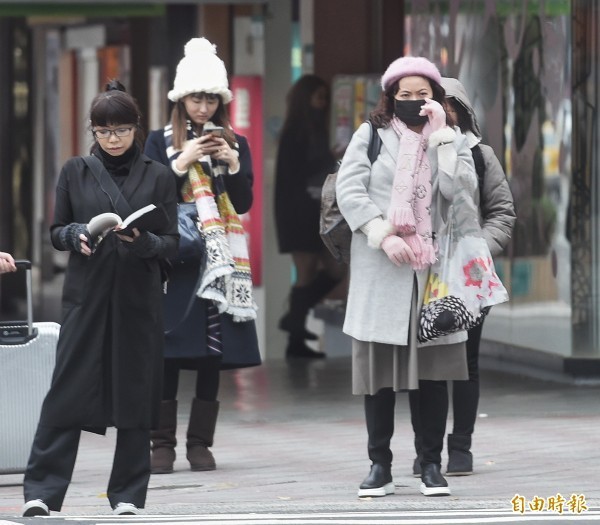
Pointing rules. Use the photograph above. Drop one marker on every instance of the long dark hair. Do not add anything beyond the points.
(113, 107)
(179, 118)
(384, 111)
(298, 117)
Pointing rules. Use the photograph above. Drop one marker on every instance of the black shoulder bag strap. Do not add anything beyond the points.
(374, 143)
(479, 162)
(108, 186)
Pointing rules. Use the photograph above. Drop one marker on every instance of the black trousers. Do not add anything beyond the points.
(465, 394)
(52, 460)
(431, 414)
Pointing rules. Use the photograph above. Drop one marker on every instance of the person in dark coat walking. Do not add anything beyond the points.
(109, 356)
(304, 159)
(209, 310)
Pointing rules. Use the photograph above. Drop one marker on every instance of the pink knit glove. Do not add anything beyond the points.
(435, 112)
(397, 250)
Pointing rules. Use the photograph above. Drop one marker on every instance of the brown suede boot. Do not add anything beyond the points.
(164, 440)
(201, 430)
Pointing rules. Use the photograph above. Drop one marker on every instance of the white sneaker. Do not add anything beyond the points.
(35, 507)
(126, 509)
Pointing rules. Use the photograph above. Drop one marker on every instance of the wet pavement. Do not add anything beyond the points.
(291, 438)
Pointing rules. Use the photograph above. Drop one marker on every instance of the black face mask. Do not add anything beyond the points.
(408, 112)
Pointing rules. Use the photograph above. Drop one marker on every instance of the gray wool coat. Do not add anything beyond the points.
(497, 210)
(380, 293)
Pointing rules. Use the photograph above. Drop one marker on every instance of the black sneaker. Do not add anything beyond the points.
(460, 463)
(35, 507)
(432, 481)
(378, 483)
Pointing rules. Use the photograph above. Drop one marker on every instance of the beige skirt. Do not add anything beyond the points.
(379, 365)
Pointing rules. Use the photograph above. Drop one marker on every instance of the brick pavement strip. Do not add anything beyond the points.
(291, 437)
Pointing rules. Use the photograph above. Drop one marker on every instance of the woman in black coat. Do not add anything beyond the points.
(109, 356)
(303, 161)
(209, 320)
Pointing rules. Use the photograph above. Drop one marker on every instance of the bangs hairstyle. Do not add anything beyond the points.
(115, 108)
(384, 112)
(179, 118)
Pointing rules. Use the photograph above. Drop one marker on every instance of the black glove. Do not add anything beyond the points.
(147, 245)
(69, 236)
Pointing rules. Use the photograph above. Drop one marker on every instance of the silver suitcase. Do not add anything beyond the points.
(27, 357)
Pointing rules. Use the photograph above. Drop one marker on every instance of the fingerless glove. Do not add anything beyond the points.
(69, 236)
(147, 245)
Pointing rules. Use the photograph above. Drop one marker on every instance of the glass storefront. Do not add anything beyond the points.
(514, 59)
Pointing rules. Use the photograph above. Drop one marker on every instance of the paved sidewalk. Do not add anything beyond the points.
(291, 437)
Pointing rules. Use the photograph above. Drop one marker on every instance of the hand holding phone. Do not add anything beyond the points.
(216, 131)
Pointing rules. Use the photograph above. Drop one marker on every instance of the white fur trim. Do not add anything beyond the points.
(442, 136)
(200, 70)
(376, 230)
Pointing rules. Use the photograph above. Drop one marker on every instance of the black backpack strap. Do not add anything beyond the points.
(479, 162)
(374, 143)
(108, 186)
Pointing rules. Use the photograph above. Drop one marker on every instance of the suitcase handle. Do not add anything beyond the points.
(23, 264)
(17, 334)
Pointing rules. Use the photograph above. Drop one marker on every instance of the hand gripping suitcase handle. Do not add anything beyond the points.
(11, 334)
(23, 264)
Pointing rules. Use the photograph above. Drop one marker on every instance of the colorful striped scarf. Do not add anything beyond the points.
(227, 278)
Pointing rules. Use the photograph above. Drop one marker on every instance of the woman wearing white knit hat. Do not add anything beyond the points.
(213, 168)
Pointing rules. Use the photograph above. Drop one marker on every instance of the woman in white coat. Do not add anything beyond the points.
(390, 207)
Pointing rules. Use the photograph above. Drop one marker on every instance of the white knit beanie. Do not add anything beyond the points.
(200, 70)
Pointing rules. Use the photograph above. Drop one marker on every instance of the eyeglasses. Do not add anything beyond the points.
(106, 133)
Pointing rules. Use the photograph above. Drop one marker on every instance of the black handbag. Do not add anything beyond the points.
(192, 248)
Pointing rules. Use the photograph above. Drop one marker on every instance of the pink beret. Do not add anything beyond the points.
(409, 66)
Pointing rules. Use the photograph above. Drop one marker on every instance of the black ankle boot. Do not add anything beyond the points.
(378, 483)
(294, 320)
(460, 459)
(298, 348)
(432, 481)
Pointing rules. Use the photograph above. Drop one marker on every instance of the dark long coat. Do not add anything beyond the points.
(109, 359)
(303, 161)
(187, 335)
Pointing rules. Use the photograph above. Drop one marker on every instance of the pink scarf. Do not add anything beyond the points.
(410, 204)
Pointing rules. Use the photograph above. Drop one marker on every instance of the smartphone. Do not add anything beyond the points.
(217, 131)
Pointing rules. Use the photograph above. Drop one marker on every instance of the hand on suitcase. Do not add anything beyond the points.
(7, 263)
(75, 237)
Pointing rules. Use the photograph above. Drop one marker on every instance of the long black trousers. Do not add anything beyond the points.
(52, 460)
(432, 414)
(465, 394)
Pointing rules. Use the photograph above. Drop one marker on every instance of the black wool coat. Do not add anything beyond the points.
(303, 162)
(185, 314)
(109, 359)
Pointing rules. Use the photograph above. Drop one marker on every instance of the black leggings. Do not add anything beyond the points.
(465, 394)
(207, 377)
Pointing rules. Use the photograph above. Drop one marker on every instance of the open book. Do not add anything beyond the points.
(149, 218)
